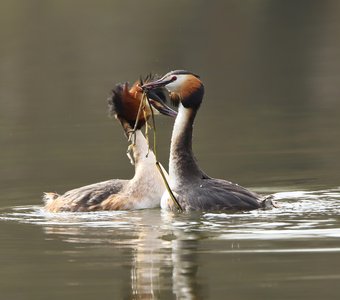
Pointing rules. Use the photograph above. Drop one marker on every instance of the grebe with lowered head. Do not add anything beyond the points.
(146, 188)
(193, 189)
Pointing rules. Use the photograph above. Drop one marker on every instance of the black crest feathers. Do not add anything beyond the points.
(115, 100)
(124, 102)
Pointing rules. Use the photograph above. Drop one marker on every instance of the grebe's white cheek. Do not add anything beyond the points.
(176, 85)
(172, 87)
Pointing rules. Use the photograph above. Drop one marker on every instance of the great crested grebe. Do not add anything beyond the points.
(193, 189)
(146, 188)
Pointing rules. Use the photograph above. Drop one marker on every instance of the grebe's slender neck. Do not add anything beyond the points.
(143, 157)
(182, 163)
(140, 147)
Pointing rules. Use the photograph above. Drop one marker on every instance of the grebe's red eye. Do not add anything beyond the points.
(173, 78)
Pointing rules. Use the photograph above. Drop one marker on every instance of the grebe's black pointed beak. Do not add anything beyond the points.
(159, 105)
(156, 84)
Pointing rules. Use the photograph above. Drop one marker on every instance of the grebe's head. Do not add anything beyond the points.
(124, 103)
(184, 87)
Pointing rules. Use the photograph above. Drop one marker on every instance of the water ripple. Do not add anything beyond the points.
(301, 214)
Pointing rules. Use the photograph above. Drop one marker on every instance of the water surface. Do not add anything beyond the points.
(277, 253)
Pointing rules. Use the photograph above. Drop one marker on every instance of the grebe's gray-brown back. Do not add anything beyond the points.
(145, 189)
(193, 189)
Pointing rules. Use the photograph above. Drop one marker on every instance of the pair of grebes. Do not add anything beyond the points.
(188, 184)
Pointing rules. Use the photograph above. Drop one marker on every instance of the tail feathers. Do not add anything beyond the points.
(268, 203)
(48, 198)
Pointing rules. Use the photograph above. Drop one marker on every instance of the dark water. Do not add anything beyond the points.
(269, 121)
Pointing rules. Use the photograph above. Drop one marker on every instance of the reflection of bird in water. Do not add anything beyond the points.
(145, 189)
(193, 188)
(163, 257)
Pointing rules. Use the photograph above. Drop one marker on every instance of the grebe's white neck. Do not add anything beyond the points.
(182, 164)
(140, 145)
(143, 158)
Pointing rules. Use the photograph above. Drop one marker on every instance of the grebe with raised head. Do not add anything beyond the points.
(146, 187)
(194, 189)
